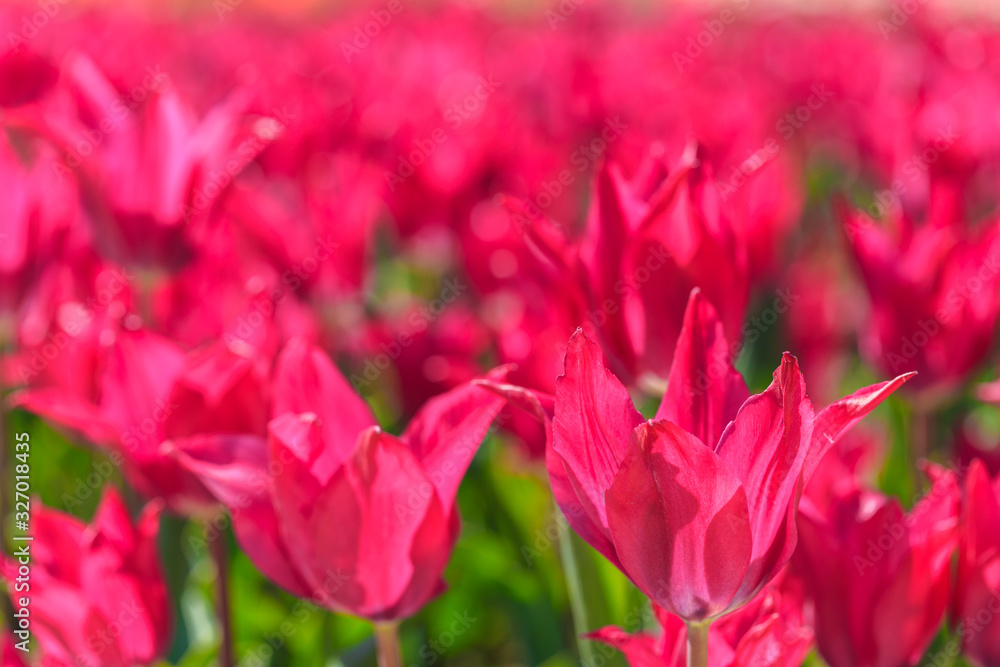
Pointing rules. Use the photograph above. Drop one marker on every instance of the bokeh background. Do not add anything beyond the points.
(405, 145)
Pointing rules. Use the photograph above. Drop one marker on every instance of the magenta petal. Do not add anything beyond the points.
(446, 433)
(220, 391)
(234, 469)
(542, 406)
(639, 649)
(68, 411)
(594, 419)
(837, 418)
(678, 519)
(704, 391)
(765, 447)
(391, 540)
(140, 374)
(306, 381)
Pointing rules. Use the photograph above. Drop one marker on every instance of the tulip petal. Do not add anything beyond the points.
(67, 410)
(306, 381)
(678, 518)
(139, 376)
(765, 447)
(235, 471)
(542, 407)
(837, 418)
(594, 419)
(219, 392)
(368, 529)
(704, 391)
(446, 433)
(639, 649)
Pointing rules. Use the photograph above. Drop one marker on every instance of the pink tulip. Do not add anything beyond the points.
(769, 631)
(878, 578)
(149, 390)
(97, 592)
(327, 463)
(976, 606)
(700, 528)
(647, 243)
(933, 292)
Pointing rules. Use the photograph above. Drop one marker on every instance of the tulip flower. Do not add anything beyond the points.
(149, 390)
(933, 292)
(770, 631)
(878, 578)
(97, 591)
(159, 171)
(326, 462)
(700, 528)
(647, 244)
(34, 218)
(976, 610)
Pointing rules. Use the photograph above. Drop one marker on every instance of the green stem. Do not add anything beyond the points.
(589, 602)
(220, 554)
(920, 435)
(387, 645)
(697, 644)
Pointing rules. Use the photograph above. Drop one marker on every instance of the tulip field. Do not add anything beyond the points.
(426, 332)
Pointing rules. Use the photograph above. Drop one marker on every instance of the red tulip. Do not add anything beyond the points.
(647, 244)
(770, 631)
(148, 390)
(878, 578)
(976, 611)
(933, 291)
(97, 596)
(698, 527)
(35, 215)
(327, 463)
(153, 168)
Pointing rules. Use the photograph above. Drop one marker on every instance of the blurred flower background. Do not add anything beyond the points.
(223, 223)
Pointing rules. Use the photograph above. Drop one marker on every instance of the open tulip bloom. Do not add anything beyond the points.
(333, 508)
(697, 505)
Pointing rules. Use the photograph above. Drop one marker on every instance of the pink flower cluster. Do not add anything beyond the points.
(219, 237)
